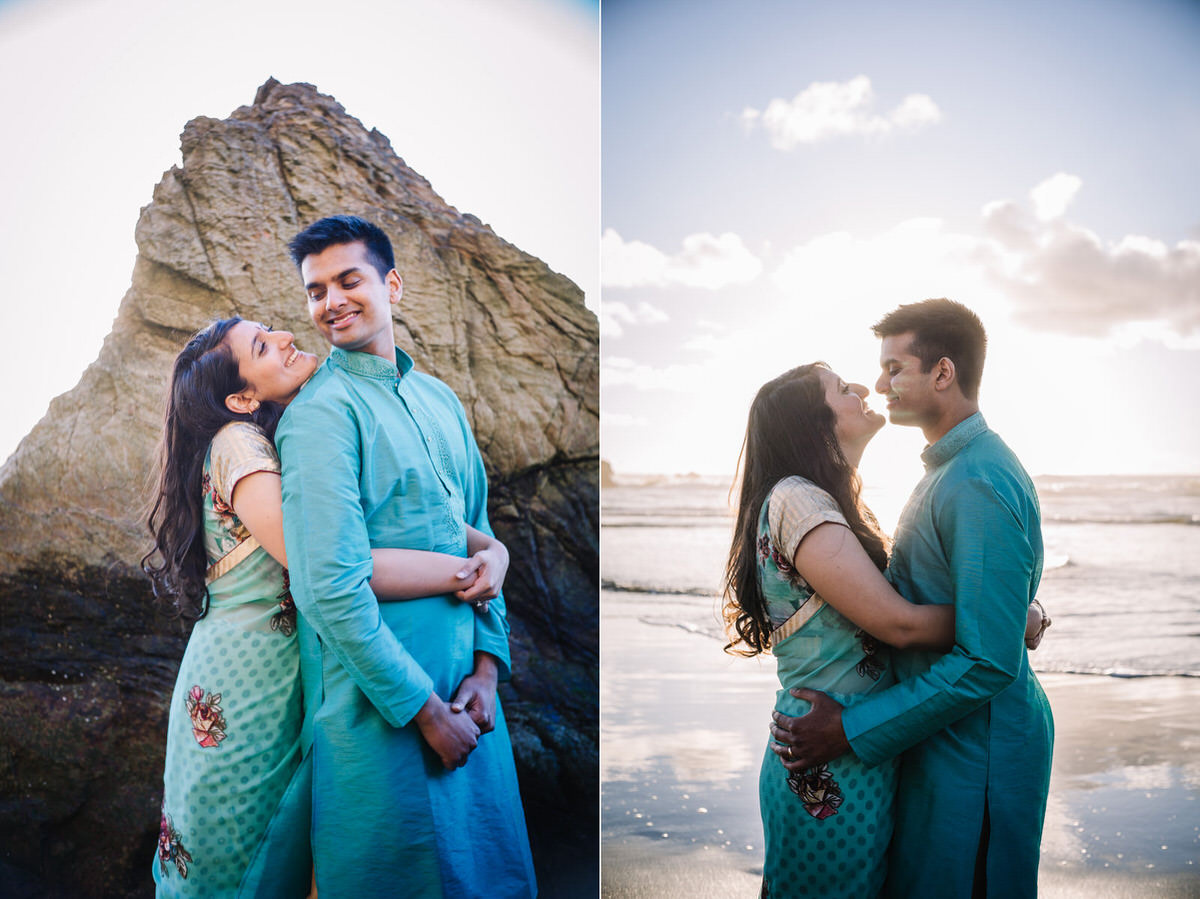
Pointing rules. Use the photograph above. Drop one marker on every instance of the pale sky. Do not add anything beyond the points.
(778, 176)
(495, 102)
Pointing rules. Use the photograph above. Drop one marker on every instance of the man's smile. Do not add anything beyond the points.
(343, 319)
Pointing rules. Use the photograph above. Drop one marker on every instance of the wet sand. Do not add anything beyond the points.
(684, 727)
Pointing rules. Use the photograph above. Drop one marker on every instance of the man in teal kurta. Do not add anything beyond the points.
(973, 726)
(376, 454)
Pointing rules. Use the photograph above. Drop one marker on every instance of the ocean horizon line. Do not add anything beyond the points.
(616, 478)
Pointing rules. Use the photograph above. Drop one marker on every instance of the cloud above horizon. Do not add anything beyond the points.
(620, 371)
(614, 314)
(830, 109)
(705, 261)
(1052, 275)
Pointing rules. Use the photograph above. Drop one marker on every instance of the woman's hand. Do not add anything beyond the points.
(489, 567)
(452, 735)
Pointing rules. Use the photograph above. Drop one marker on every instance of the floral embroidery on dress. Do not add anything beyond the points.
(284, 620)
(229, 520)
(767, 551)
(208, 719)
(870, 665)
(170, 848)
(818, 791)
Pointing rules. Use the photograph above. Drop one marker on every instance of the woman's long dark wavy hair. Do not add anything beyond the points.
(205, 373)
(790, 432)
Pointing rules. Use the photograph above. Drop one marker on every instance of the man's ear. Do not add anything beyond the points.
(945, 375)
(395, 286)
(241, 403)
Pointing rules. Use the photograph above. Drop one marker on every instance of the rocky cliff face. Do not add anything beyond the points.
(86, 660)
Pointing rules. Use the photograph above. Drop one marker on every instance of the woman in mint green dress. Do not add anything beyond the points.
(805, 581)
(236, 789)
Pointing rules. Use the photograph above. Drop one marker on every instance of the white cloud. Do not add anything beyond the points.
(614, 314)
(1060, 276)
(828, 109)
(621, 420)
(705, 261)
(619, 371)
(1052, 196)
(1074, 281)
(1049, 274)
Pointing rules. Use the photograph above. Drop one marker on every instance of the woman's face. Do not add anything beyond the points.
(274, 370)
(856, 423)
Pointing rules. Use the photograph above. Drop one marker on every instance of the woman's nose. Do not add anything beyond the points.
(860, 390)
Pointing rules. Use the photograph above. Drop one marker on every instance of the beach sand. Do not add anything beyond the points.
(684, 727)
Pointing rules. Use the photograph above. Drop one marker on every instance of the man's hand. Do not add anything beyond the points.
(1036, 622)
(476, 695)
(452, 735)
(489, 566)
(812, 739)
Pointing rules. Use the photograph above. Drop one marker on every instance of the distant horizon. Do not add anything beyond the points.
(619, 474)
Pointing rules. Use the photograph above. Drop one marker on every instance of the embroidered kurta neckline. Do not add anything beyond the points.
(953, 440)
(371, 366)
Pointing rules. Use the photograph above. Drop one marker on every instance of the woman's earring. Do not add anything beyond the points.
(253, 405)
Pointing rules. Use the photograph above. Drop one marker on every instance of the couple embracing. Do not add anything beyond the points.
(334, 728)
(911, 741)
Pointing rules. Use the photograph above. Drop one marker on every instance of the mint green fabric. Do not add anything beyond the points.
(233, 737)
(829, 839)
(377, 455)
(973, 725)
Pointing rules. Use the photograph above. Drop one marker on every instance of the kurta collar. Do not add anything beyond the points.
(371, 366)
(954, 440)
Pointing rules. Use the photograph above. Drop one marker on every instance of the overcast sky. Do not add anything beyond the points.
(495, 102)
(778, 177)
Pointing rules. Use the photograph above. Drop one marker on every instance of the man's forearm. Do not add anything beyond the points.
(900, 717)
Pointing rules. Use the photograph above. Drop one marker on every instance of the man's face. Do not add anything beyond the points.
(348, 301)
(911, 398)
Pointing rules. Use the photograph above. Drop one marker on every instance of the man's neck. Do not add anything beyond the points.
(386, 352)
(389, 356)
(953, 415)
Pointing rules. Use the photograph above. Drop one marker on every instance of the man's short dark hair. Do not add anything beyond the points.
(940, 328)
(339, 229)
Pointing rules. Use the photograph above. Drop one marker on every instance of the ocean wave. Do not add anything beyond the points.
(665, 521)
(1053, 561)
(657, 590)
(1123, 673)
(1150, 518)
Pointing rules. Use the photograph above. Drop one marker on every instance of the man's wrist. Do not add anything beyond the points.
(486, 666)
(430, 711)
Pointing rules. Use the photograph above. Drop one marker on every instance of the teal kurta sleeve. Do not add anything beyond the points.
(991, 563)
(329, 556)
(491, 630)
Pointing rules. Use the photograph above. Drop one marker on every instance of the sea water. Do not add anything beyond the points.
(1121, 580)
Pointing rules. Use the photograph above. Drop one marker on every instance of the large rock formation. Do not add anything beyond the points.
(86, 660)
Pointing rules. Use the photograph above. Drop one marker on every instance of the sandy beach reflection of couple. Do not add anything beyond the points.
(911, 741)
(332, 742)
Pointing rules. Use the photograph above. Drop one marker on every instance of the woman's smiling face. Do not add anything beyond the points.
(856, 422)
(274, 370)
